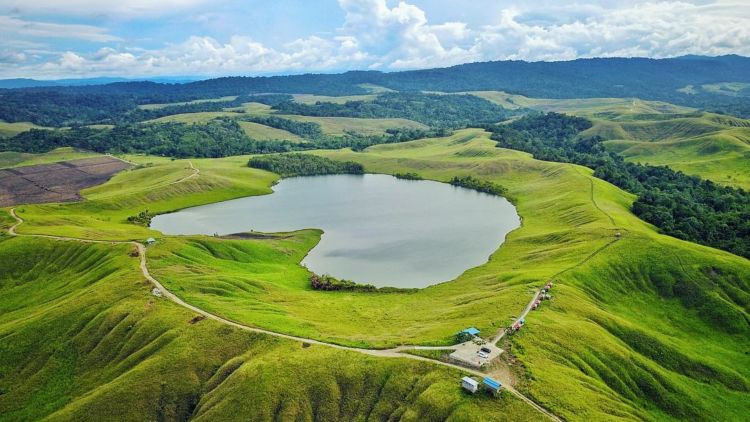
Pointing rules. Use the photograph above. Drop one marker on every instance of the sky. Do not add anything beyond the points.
(48, 39)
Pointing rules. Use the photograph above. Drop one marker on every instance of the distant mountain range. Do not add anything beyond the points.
(679, 80)
(35, 83)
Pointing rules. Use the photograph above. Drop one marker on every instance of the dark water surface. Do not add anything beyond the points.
(378, 229)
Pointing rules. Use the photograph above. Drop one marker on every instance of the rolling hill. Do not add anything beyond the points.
(642, 326)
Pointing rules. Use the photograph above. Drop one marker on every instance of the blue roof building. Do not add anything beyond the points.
(471, 330)
(492, 385)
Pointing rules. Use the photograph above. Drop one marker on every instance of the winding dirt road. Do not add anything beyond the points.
(395, 352)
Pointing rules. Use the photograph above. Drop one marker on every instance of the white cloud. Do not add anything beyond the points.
(14, 28)
(400, 36)
(122, 8)
(659, 29)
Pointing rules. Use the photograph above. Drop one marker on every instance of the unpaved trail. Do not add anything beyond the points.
(395, 352)
(196, 172)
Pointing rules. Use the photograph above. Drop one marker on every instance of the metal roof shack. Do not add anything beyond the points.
(492, 385)
(469, 384)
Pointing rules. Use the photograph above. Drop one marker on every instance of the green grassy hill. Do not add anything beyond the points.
(83, 339)
(642, 326)
(14, 159)
(8, 130)
(263, 132)
(708, 145)
(341, 125)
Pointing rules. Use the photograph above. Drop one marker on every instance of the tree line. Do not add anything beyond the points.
(683, 206)
(434, 110)
(295, 164)
(479, 185)
(220, 137)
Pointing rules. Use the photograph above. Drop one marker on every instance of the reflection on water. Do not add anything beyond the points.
(378, 229)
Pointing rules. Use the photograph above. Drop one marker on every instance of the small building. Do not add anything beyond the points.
(468, 334)
(469, 384)
(150, 241)
(491, 385)
(471, 331)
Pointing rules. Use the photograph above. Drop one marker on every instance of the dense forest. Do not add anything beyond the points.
(307, 130)
(220, 137)
(56, 109)
(140, 115)
(650, 79)
(485, 186)
(434, 110)
(288, 165)
(217, 138)
(682, 206)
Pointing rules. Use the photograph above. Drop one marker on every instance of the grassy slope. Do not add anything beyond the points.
(708, 145)
(263, 132)
(14, 159)
(637, 325)
(312, 99)
(339, 125)
(83, 339)
(201, 117)
(152, 185)
(329, 125)
(162, 105)
(8, 130)
(633, 332)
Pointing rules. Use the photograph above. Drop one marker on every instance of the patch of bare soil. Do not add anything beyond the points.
(196, 319)
(507, 369)
(56, 182)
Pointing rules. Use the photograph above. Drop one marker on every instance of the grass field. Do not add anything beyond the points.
(312, 99)
(84, 340)
(708, 145)
(641, 326)
(263, 132)
(724, 88)
(253, 108)
(209, 100)
(340, 125)
(8, 130)
(201, 117)
(587, 107)
(15, 159)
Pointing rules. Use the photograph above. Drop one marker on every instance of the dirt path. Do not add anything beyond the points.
(395, 352)
(196, 172)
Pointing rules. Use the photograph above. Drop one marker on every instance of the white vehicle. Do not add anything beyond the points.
(484, 353)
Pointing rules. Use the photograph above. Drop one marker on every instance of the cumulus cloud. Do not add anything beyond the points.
(401, 36)
(381, 35)
(662, 29)
(207, 56)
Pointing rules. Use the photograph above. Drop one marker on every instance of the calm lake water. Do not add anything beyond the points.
(378, 229)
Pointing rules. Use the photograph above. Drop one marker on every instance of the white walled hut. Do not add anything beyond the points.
(470, 384)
